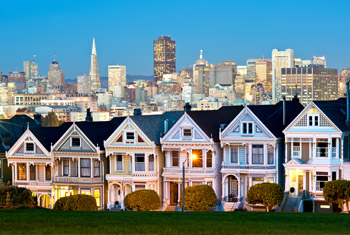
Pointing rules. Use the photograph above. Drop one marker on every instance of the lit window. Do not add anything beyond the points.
(97, 197)
(85, 191)
(21, 171)
(198, 161)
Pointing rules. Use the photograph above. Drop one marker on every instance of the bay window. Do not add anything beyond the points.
(198, 161)
(85, 167)
(234, 154)
(119, 162)
(209, 158)
(258, 154)
(139, 162)
(21, 171)
(175, 158)
(32, 172)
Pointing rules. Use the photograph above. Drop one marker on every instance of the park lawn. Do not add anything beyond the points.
(47, 221)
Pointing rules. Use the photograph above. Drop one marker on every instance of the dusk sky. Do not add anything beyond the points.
(125, 30)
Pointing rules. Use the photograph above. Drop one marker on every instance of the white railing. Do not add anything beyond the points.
(248, 167)
(144, 174)
(66, 179)
(139, 166)
(34, 183)
(322, 152)
(296, 151)
(188, 171)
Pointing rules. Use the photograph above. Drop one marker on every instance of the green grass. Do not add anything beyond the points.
(47, 221)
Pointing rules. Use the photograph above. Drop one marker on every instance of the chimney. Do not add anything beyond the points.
(88, 115)
(347, 122)
(166, 125)
(187, 107)
(137, 112)
(284, 110)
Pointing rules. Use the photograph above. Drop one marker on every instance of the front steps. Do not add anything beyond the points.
(290, 204)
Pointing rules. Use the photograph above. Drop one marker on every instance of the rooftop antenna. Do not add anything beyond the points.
(54, 57)
(34, 56)
(201, 54)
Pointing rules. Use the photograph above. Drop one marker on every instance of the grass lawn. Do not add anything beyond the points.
(47, 221)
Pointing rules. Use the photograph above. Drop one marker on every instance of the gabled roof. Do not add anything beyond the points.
(272, 115)
(210, 121)
(49, 135)
(335, 110)
(153, 125)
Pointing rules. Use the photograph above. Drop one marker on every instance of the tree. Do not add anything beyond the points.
(142, 200)
(268, 194)
(199, 198)
(337, 192)
(51, 120)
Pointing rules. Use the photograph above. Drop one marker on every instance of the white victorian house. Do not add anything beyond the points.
(316, 146)
(253, 150)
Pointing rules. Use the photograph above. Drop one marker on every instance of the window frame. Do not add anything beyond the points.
(26, 149)
(95, 168)
(81, 168)
(172, 159)
(261, 146)
(187, 129)
(116, 162)
(63, 167)
(25, 171)
(71, 142)
(31, 167)
(245, 125)
(46, 167)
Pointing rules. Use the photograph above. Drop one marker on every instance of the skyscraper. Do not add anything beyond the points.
(117, 79)
(280, 59)
(164, 57)
(56, 76)
(30, 69)
(95, 82)
(83, 84)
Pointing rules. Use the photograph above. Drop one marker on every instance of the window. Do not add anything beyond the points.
(151, 162)
(21, 171)
(139, 162)
(209, 158)
(97, 168)
(258, 154)
(316, 120)
(85, 167)
(313, 120)
(270, 158)
(310, 121)
(75, 142)
(175, 158)
(29, 147)
(334, 175)
(296, 149)
(270, 180)
(198, 162)
(234, 154)
(187, 132)
(97, 197)
(48, 172)
(322, 147)
(130, 135)
(32, 172)
(321, 180)
(65, 167)
(140, 186)
(85, 191)
(257, 180)
(119, 162)
(247, 128)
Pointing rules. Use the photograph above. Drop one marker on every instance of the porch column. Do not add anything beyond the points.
(265, 154)
(250, 153)
(204, 156)
(314, 149)
(146, 162)
(223, 190)
(14, 177)
(133, 162)
(304, 179)
(92, 168)
(287, 180)
(78, 167)
(337, 149)
(285, 153)
(28, 171)
(329, 148)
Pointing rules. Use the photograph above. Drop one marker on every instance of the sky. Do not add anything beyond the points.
(125, 30)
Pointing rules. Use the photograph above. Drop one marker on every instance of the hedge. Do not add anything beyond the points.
(142, 200)
(268, 194)
(78, 202)
(19, 196)
(337, 192)
(199, 198)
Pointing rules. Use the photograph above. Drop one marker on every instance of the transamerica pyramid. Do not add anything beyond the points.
(94, 73)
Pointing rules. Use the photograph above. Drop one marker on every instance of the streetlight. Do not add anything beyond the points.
(193, 157)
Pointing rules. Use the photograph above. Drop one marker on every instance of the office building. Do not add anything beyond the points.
(321, 61)
(56, 76)
(280, 59)
(309, 84)
(95, 82)
(30, 69)
(117, 80)
(164, 57)
(83, 83)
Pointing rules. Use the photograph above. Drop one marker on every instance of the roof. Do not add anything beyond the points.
(153, 125)
(335, 110)
(49, 135)
(272, 115)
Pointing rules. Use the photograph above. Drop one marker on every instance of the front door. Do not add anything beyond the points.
(174, 190)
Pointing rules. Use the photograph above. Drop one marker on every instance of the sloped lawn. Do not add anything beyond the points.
(47, 221)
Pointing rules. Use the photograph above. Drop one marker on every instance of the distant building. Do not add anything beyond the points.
(95, 82)
(263, 73)
(117, 80)
(83, 84)
(62, 112)
(280, 59)
(320, 61)
(164, 57)
(203, 75)
(96, 116)
(309, 84)
(223, 93)
(30, 69)
(6, 95)
(225, 73)
(56, 76)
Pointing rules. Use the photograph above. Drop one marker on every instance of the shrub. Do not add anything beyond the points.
(19, 196)
(268, 194)
(199, 198)
(142, 200)
(337, 192)
(78, 202)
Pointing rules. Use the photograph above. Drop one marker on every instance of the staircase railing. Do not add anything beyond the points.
(283, 202)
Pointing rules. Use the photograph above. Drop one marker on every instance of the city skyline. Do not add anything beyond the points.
(69, 35)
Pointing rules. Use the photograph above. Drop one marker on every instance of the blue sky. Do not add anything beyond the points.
(125, 30)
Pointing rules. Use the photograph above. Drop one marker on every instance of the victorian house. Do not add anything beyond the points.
(193, 142)
(253, 149)
(317, 144)
(135, 157)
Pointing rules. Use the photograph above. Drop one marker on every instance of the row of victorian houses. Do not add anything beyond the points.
(236, 147)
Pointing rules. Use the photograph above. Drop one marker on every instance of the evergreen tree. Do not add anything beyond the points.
(51, 120)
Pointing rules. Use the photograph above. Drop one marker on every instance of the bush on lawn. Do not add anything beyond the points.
(19, 196)
(142, 200)
(78, 202)
(337, 192)
(268, 194)
(199, 198)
